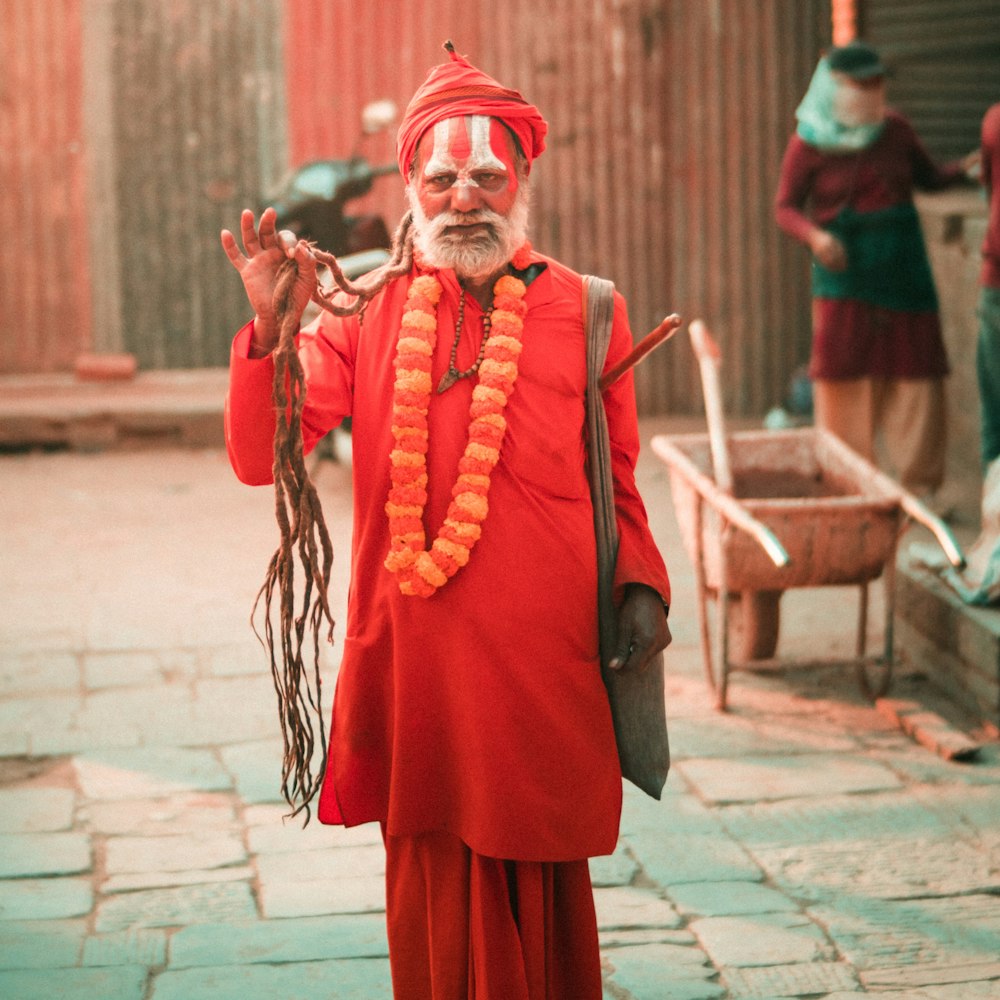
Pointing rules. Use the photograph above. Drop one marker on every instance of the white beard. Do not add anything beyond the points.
(478, 255)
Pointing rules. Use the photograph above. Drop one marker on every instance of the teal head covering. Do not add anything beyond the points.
(817, 124)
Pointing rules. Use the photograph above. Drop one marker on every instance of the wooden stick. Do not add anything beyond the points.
(662, 333)
(709, 361)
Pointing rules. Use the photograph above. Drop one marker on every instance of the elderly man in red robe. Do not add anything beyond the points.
(469, 718)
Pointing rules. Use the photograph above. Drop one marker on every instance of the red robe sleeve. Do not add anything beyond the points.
(639, 560)
(326, 350)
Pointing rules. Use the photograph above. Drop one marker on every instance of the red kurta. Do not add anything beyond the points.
(478, 711)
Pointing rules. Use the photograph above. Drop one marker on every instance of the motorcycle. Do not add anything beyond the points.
(311, 201)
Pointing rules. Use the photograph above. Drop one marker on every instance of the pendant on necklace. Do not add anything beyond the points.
(448, 379)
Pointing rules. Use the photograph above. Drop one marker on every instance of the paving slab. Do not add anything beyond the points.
(932, 974)
(235, 660)
(73, 739)
(308, 939)
(629, 907)
(39, 672)
(879, 817)
(121, 668)
(176, 907)
(906, 868)
(175, 814)
(332, 863)
(149, 773)
(797, 980)
(36, 810)
(41, 944)
(279, 836)
(658, 971)
(618, 868)
(876, 934)
(761, 939)
(256, 769)
(135, 946)
(737, 736)
(44, 854)
(726, 899)
(170, 879)
(192, 850)
(620, 937)
(121, 983)
(753, 779)
(348, 979)
(306, 897)
(671, 858)
(45, 899)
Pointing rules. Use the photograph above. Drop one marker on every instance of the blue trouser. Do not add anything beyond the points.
(988, 372)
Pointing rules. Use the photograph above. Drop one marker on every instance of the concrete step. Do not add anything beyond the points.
(155, 408)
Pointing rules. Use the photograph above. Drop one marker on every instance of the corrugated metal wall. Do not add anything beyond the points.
(44, 258)
(946, 62)
(198, 133)
(668, 121)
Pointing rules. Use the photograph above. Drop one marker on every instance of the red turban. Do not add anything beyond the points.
(457, 88)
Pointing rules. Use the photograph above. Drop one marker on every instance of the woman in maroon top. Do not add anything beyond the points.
(846, 191)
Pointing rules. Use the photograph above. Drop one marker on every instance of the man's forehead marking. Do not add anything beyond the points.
(464, 138)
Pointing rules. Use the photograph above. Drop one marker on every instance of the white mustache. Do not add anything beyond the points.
(446, 220)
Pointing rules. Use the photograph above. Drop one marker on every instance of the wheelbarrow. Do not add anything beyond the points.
(761, 512)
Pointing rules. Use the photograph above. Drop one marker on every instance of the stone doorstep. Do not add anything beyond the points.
(957, 646)
(155, 409)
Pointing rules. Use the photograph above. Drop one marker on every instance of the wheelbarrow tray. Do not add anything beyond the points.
(824, 503)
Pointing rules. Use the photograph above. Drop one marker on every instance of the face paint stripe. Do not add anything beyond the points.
(459, 145)
(483, 156)
(440, 161)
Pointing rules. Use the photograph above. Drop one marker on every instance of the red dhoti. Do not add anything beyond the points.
(463, 926)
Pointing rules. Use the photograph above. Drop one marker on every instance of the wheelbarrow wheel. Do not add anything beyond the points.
(754, 623)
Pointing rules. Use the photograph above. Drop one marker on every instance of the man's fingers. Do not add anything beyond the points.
(266, 232)
(623, 651)
(249, 233)
(232, 250)
(287, 241)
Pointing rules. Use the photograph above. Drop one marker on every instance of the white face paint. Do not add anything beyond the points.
(462, 148)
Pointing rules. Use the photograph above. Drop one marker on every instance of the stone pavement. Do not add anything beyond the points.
(805, 847)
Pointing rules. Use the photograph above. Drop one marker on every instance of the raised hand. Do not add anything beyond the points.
(264, 252)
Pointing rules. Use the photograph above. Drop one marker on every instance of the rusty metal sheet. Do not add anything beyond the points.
(945, 65)
(44, 262)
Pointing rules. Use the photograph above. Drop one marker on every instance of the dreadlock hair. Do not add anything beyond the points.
(303, 530)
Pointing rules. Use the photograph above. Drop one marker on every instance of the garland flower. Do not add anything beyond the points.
(421, 571)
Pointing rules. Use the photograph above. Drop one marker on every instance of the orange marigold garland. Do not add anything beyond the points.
(419, 570)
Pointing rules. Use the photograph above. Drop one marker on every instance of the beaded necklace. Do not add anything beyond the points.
(452, 375)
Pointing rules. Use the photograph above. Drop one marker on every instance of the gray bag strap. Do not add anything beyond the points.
(637, 703)
(599, 311)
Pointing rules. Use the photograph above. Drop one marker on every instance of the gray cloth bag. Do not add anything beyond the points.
(638, 709)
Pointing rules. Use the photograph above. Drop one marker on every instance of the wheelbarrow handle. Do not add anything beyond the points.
(910, 505)
(709, 361)
(731, 509)
(938, 528)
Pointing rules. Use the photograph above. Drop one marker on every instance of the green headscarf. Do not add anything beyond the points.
(817, 124)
